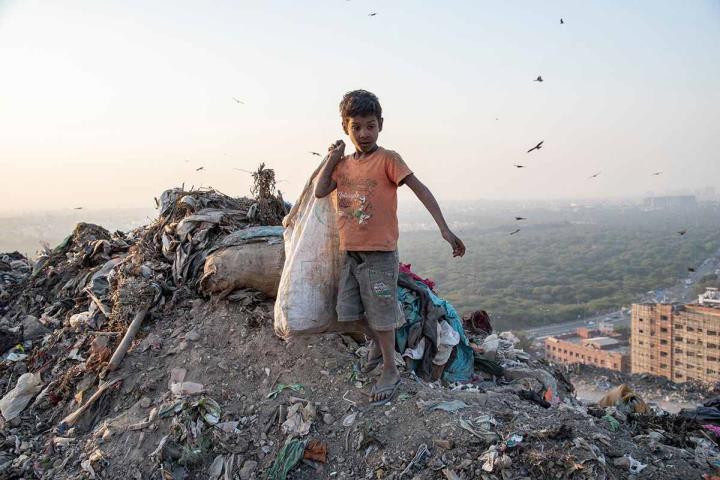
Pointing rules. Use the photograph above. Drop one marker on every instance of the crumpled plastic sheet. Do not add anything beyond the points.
(288, 456)
(15, 401)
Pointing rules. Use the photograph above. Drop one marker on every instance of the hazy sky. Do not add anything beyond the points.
(105, 104)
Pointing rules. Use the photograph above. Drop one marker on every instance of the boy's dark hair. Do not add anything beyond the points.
(359, 103)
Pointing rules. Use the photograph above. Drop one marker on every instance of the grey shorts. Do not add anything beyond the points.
(368, 290)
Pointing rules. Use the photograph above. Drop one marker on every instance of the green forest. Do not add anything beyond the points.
(560, 270)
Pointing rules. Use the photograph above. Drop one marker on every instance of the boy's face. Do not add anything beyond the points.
(364, 131)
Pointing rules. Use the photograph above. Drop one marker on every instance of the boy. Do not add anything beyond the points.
(366, 183)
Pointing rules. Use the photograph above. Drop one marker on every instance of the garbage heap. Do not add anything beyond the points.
(67, 318)
(14, 269)
(137, 355)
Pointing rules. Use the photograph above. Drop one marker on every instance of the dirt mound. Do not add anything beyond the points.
(206, 390)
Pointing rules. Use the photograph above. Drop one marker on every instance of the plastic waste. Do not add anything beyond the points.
(307, 294)
(288, 456)
(15, 401)
(253, 265)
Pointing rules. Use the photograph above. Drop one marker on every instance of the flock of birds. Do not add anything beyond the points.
(537, 147)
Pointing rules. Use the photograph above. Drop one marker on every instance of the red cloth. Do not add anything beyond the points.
(405, 268)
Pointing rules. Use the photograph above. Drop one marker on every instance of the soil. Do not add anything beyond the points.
(230, 357)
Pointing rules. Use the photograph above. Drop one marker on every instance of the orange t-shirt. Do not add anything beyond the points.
(367, 200)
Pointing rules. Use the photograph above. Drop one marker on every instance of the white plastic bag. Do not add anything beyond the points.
(12, 404)
(307, 294)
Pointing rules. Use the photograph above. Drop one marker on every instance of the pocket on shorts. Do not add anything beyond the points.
(383, 283)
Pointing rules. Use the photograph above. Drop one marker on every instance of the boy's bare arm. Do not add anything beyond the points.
(428, 199)
(325, 184)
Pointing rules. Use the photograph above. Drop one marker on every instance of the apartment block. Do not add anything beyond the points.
(587, 347)
(678, 342)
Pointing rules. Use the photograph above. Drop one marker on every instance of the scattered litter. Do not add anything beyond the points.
(450, 474)
(514, 440)
(613, 423)
(630, 463)
(417, 460)
(494, 460)
(486, 435)
(295, 387)
(316, 450)
(448, 406)
(15, 401)
(228, 427)
(185, 389)
(288, 456)
(298, 422)
(349, 419)
(534, 397)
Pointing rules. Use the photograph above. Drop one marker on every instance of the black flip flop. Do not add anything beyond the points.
(390, 388)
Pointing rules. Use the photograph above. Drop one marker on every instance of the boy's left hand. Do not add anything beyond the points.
(457, 245)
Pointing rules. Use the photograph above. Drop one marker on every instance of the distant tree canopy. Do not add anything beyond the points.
(557, 272)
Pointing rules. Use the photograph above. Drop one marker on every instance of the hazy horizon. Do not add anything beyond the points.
(106, 105)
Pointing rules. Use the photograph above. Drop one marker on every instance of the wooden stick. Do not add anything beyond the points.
(97, 302)
(132, 330)
(105, 334)
(73, 418)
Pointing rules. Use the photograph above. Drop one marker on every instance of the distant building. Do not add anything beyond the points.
(589, 348)
(711, 297)
(678, 342)
(673, 201)
(606, 328)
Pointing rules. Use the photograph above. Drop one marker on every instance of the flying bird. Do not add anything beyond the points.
(682, 232)
(238, 101)
(316, 153)
(199, 168)
(519, 166)
(595, 175)
(372, 14)
(562, 22)
(536, 147)
(538, 79)
(514, 231)
(78, 208)
(691, 270)
(520, 218)
(657, 173)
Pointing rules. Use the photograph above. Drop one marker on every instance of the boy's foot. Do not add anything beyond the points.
(374, 358)
(385, 388)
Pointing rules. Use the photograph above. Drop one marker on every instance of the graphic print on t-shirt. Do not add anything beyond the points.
(355, 199)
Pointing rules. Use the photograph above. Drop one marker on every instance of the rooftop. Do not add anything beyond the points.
(607, 344)
(601, 342)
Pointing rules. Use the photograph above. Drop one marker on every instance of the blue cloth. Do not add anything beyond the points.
(460, 369)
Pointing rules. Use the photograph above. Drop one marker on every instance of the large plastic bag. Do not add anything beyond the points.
(12, 404)
(253, 265)
(248, 258)
(307, 294)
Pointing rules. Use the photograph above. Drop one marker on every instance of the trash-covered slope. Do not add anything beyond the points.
(206, 390)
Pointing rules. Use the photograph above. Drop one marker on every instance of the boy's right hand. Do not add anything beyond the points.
(336, 151)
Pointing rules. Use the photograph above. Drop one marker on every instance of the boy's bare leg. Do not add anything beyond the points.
(359, 326)
(390, 374)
